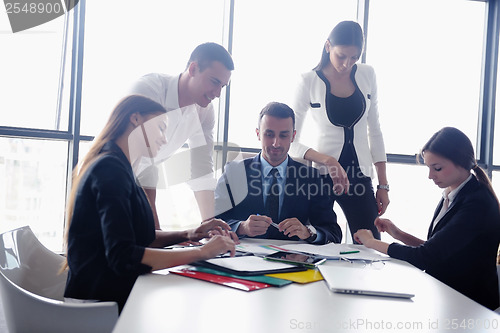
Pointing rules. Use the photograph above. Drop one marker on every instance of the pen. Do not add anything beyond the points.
(272, 223)
(348, 252)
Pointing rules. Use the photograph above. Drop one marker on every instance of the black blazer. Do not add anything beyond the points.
(111, 226)
(307, 198)
(461, 250)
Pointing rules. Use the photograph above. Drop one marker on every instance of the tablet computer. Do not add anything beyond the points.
(301, 259)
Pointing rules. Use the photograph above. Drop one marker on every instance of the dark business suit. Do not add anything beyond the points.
(461, 250)
(112, 224)
(306, 198)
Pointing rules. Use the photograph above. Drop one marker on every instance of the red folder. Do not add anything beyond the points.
(240, 284)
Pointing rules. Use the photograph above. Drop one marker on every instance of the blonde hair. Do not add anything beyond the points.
(115, 127)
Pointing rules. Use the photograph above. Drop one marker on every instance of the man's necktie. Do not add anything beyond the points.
(273, 197)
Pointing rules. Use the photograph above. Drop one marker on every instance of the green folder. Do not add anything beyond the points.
(258, 278)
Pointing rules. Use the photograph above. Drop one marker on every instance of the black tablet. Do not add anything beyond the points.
(301, 259)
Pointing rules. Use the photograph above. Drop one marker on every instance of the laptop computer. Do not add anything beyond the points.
(364, 281)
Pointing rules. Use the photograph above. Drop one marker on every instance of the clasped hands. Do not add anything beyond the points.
(257, 225)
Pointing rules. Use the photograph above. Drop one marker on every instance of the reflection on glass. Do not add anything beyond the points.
(428, 72)
(34, 176)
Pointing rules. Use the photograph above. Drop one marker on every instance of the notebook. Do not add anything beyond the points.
(364, 281)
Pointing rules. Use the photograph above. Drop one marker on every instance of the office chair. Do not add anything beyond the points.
(32, 290)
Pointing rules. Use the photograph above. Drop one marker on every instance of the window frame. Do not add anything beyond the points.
(486, 110)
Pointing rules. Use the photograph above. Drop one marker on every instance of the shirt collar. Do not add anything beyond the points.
(453, 194)
(266, 167)
(172, 98)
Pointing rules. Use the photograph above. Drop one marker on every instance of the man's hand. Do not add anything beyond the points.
(293, 227)
(255, 225)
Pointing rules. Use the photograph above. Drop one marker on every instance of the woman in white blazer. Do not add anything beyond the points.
(341, 97)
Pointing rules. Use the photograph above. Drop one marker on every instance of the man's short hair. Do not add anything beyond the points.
(206, 53)
(278, 110)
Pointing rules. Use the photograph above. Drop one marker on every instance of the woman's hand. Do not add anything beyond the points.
(338, 175)
(208, 229)
(382, 198)
(385, 225)
(364, 236)
(218, 244)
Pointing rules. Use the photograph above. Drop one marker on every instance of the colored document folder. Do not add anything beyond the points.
(248, 265)
(257, 278)
(311, 275)
(236, 283)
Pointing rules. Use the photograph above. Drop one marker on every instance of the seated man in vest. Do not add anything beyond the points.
(273, 196)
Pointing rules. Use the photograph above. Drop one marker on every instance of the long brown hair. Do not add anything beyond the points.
(115, 127)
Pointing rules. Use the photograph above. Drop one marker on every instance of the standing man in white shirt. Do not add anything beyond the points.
(191, 118)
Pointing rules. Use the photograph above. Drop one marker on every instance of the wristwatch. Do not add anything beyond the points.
(312, 233)
(383, 187)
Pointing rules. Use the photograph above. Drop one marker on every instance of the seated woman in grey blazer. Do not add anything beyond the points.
(464, 235)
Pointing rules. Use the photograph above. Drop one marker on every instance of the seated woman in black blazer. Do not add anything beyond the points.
(464, 234)
(111, 238)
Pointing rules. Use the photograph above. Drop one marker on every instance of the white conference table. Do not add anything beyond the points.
(172, 303)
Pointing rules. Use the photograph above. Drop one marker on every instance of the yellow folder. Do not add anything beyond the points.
(310, 275)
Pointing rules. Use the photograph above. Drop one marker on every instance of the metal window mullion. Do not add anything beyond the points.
(362, 17)
(62, 71)
(75, 92)
(486, 124)
(225, 126)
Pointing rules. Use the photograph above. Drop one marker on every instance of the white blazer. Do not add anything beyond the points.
(368, 140)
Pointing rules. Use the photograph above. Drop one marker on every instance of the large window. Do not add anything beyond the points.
(33, 172)
(274, 42)
(144, 37)
(428, 65)
(124, 42)
(31, 69)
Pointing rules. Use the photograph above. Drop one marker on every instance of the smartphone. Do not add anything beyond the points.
(301, 259)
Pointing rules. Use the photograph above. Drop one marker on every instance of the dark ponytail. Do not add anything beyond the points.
(348, 33)
(454, 145)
